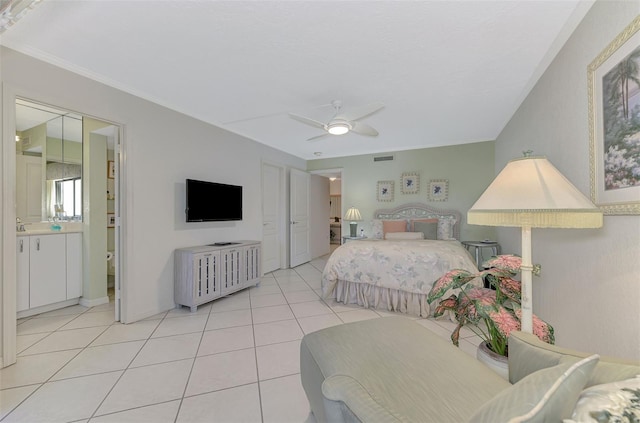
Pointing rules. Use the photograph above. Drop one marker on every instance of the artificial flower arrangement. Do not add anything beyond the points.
(491, 313)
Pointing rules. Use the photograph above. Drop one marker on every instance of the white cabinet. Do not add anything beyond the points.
(49, 269)
(29, 188)
(207, 272)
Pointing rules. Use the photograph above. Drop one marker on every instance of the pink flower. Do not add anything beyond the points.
(506, 262)
(504, 321)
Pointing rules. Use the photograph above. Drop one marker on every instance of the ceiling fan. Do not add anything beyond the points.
(343, 122)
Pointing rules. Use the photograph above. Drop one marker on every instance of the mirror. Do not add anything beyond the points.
(48, 163)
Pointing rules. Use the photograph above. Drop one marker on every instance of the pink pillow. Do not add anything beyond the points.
(394, 226)
(435, 220)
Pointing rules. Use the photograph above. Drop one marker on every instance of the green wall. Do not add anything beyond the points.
(468, 167)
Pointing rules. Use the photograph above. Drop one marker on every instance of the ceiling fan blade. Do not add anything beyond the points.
(317, 137)
(308, 121)
(363, 129)
(360, 112)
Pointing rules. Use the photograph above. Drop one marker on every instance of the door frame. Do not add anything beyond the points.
(8, 232)
(283, 212)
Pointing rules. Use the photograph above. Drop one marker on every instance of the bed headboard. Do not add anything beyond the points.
(419, 211)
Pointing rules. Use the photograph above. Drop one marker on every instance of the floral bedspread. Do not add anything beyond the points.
(408, 266)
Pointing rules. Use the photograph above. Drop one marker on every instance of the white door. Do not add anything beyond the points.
(299, 217)
(29, 188)
(271, 239)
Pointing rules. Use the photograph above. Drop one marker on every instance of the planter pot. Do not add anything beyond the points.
(497, 363)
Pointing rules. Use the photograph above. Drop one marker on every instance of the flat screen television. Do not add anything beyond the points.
(211, 201)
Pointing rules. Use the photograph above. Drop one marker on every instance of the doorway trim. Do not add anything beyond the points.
(8, 234)
(282, 210)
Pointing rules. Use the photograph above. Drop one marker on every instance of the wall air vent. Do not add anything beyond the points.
(383, 158)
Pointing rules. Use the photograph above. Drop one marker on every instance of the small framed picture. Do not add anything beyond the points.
(410, 183)
(111, 169)
(438, 190)
(385, 190)
(111, 220)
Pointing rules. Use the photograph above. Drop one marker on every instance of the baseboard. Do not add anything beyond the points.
(94, 302)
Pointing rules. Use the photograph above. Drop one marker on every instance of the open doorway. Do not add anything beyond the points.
(336, 212)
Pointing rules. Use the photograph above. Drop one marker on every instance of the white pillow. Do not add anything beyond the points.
(445, 228)
(377, 231)
(609, 402)
(404, 235)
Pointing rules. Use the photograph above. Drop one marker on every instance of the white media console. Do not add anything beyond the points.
(207, 272)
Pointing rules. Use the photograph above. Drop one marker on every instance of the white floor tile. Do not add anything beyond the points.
(267, 300)
(301, 296)
(34, 368)
(221, 371)
(277, 360)
(76, 309)
(294, 286)
(186, 311)
(65, 400)
(272, 314)
(356, 315)
(263, 289)
(86, 320)
(339, 307)
(284, 400)
(275, 332)
(110, 306)
(159, 413)
(237, 405)
(228, 339)
(10, 398)
(101, 359)
(232, 302)
(25, 341)
(148, 385)
(46, 324)
(181, 325)
(314, 323)
(228, 319)
(65, 340)
(310, 308)
(169, 348)
(119, 332)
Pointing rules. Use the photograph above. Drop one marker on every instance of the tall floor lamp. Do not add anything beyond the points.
(531, 193)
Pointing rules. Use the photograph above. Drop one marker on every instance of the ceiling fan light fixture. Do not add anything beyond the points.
(338, 128)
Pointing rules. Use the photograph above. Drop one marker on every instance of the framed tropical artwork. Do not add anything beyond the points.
(614, 124)
(438, 190)
(385, 191)
(410, 183)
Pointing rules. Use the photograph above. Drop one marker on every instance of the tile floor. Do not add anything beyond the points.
(234, 360)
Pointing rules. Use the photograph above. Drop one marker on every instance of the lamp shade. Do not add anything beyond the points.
(531, 192)
(353, 215)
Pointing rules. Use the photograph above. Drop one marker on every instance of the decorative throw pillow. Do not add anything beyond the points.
(412, 223)
(377, 231)
(429, 229)
(609, 402)
(394, 226)
(404, 235)
(547, 395)
(445, 228)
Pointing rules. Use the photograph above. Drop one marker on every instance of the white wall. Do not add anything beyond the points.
(469, 169)
(590, 284)
(161, 148)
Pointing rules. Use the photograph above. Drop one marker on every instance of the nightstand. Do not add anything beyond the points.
(352, 238)
(478, 246)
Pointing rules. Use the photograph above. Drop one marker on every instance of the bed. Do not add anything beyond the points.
(396, 273)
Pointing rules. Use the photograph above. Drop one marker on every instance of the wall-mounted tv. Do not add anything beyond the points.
(211, 202)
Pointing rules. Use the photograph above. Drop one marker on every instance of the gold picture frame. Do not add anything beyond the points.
(614, 131)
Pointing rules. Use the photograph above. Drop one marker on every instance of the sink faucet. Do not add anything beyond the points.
(20, 225)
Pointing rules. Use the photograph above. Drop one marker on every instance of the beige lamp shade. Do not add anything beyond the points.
(531, 192)
(353, 215)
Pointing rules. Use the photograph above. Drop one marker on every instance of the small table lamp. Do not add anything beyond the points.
(531, 193)
(353, 215)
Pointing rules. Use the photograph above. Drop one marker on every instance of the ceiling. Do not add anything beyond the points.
(448, 72)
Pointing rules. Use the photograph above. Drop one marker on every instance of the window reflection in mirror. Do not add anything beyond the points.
(49, 163)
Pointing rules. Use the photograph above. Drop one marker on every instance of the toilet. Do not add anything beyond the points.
(111, 269)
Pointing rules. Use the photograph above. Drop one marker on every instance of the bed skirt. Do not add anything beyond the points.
(371, 296)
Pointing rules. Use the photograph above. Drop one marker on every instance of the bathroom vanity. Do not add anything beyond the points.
(48, 271)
